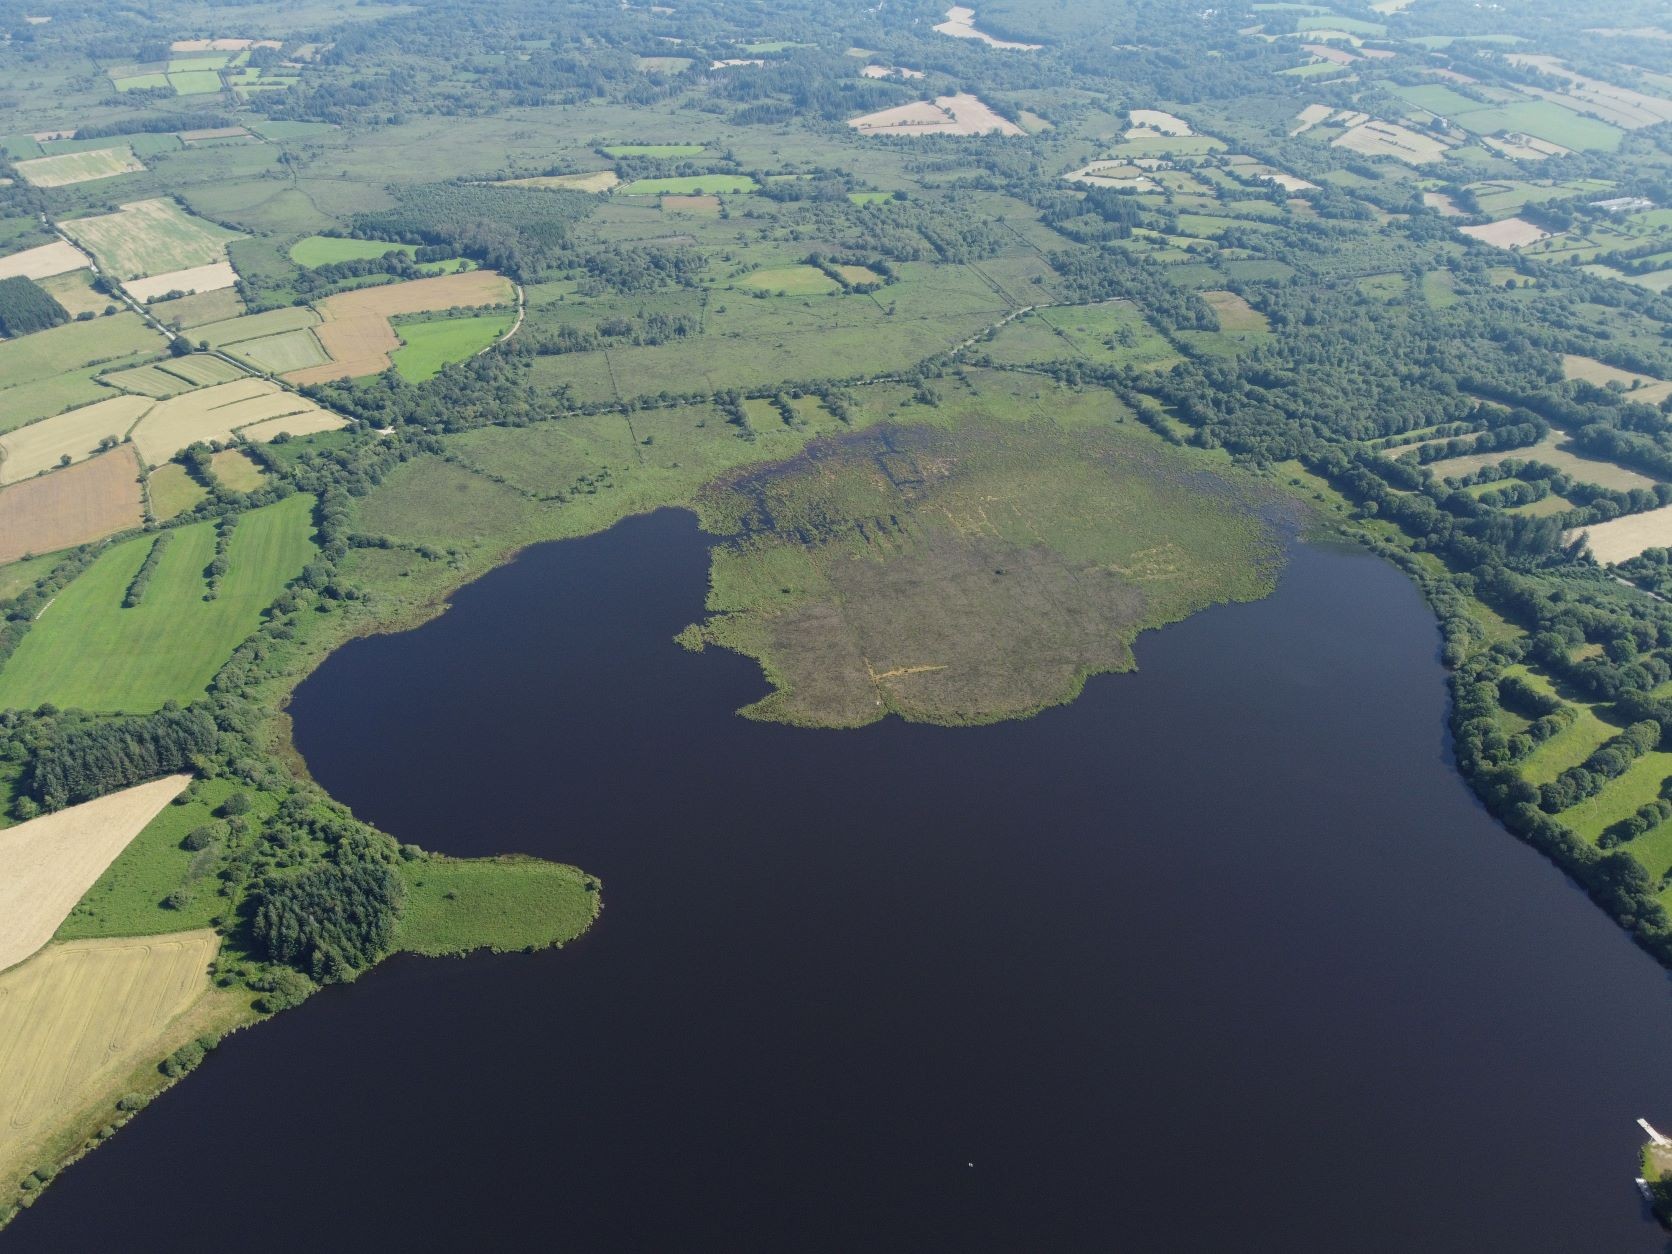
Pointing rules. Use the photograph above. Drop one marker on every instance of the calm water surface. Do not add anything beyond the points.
(1223, 956)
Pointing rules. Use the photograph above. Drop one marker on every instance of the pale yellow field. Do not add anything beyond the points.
(82, 1015)
(592, 181)
(960, 114)
(213, 413)
(1156, 120)
(29, 450)
(1549, 451)
(57, 257)
(49, 863)
(1236, 316)
(1385, 139)
(306, 423)
(1622, 538)
(74, 290)
(1508, 233)
(1441, 202)
(1311, 116)
(1645, 389)
(210, 278)
(960, 24)
(78, 167)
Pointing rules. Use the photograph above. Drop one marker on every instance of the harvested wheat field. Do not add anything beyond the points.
(1621, 538)
(210, 278)
(57, 257)
(1509, 233)
(29, 450)
(149, 237)
(69, 168)
(1309, 117)
(68, 507)
(308, 422)
(49, 863)
(1385, 139)
(961, 114)
(1156, 120)
(80, 1017)
(215, 413)
(354, 327)
(593, 181)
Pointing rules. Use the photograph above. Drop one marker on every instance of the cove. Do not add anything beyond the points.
(1224, 955)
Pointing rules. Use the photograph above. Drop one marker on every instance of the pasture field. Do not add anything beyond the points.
(194, 311)
(149, 380)
(86, 502)
(48, 863)
(127, 898)
(797, 280)
(701, 206)
(78, 1021)
(190, 282)
(1114, 332)
(428, 346)
(150, 237)
(1235, 315)
(236, 471)
(591, 181)
(690, 185)
(172, 491)
(1627, 536)
(41, 262)
(255, 326)
(202, 369)
(70, 168)
(324, 250)
(194, 82)
(1639, 785)
(88, 651)
(455, 905)
(655, 150)
(49, 354)
(1548, 121)
(38, 447)
(278, 354)
(74, 291)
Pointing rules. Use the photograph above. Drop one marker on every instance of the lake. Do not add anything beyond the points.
(1224, 955)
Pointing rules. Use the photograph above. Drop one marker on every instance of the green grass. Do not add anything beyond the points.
(141, 82)
(173, 491)
(455, 905)
(790, 280)
(429, 346)
(194, 82)
(1547, 121)
(655, 150)
(16, 576)
(277, 354)
(127, 899)
(1620, 799)
(1568, 747)
(88, 651)
(155, 238)
(236, 471)
(689, 185)
(1334, 21)
(47, 355)
(324, 250)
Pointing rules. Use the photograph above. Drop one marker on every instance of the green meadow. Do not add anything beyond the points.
(88, 651)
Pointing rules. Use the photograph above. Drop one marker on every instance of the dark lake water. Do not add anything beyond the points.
(1223, 956)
